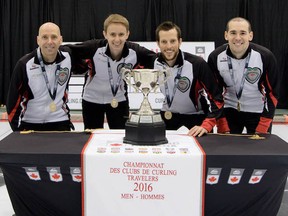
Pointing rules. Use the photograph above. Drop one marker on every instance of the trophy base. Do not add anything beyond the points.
(145, 133)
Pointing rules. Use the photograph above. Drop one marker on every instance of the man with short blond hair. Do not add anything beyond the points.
(105, 92)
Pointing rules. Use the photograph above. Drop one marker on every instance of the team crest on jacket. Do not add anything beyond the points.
(63, 75)
(253, 74)
(124, 65)
(183, 84)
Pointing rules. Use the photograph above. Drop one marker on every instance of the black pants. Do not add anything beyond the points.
(179, 120)
(237, 121)
(49, 126)
(93, 115)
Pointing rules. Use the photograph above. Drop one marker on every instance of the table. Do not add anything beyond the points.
(45, 197)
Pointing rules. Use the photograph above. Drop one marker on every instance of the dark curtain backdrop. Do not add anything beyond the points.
(200, 20)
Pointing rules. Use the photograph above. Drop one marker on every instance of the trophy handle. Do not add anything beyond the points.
(126, 75)
(165, 74)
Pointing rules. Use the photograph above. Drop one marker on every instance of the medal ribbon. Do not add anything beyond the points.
(176, 80)
(239, 93)
(114, 88)
(57, 71)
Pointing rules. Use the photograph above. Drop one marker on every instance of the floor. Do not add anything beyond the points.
(6, 208)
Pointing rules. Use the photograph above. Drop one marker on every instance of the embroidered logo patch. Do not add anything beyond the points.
(63, 75)
(253, 74)
(125, 65)
(183, 84)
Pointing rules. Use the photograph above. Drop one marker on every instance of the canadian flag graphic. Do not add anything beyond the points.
(32, 173)
(55, 174)
(256, 176)
(76, 174)
(213, 175)
(235, 176)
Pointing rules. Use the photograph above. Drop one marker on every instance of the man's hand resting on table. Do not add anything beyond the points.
(197, 131)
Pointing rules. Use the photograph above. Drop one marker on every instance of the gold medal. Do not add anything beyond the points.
(168, 115)
(52, 107)
(114, 103)
(238, 106)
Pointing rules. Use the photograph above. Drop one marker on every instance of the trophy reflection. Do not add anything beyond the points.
(145, 127)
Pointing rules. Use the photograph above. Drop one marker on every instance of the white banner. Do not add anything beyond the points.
(122, 179)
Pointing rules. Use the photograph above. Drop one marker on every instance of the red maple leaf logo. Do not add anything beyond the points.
(255, 179)
(234, 179)
(56, 176)
(78, 177)
(33, 175)
(212, 179)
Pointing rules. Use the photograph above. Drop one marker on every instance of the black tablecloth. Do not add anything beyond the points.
(47, 198)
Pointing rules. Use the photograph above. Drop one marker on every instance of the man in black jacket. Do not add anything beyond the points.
(37, 97)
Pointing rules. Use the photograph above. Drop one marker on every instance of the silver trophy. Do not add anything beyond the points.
(145, 127)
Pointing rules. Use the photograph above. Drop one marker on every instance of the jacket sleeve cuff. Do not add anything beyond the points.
(222, 125)
(208, 124)
(263, 125)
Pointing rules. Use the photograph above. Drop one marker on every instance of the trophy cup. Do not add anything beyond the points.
(144, 127)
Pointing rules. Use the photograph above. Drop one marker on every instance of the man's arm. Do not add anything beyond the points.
(269, 87)
(16, 94)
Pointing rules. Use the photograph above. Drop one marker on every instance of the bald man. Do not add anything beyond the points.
(37, 97)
